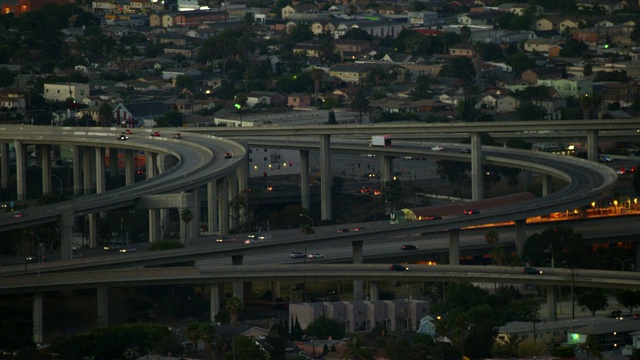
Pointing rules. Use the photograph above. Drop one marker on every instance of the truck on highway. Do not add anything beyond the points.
(380, 140)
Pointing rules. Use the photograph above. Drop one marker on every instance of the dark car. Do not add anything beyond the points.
(466, 151)
(112, 247)
(33, 257)
(177, 136)
(434, 217)
(123, 137)
(409, 247)
(398, 267)
(471, 211)
(228, 155)
(343, 230)
(531, 271)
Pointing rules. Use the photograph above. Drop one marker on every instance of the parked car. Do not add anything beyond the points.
(315, 255)
(409, 247)
(437, 148)
(297, 254)
(471, 211)
(398, 267)
(531, 271)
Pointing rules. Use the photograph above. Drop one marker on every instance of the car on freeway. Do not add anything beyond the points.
(177, 136)
(357, 228)
(112, 247)
(605, 158)
(531, 271)
(315, 255)
(228, 155)
(128, 132)
(33, 257)
(434, 217)
(398, 267)
(128, 250)
(466, 151)
(343, 230)
(225, 239)
(621, 171)
(264, 236)
(364, 190)
(252, 241)
(297, 255)
(19, 214)
(409, 247)
(377, 192)
(155, 134)
(437, 148)
(123, 137)
(471, 211)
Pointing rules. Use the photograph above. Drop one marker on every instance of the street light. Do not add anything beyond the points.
(622, 262)
(550, 250)
(307, 216)
(60, 180)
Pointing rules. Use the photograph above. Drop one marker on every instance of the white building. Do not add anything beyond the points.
(63, 91)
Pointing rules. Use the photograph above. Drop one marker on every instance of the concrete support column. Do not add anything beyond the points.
(552, 304)
(223, 206)
(243, 183)
(4, 165)
(20, 170)
(476, 167)
(93, 229)
(113, 162)
(103, 306)
(38, 335)
(238, 286)
(212, 213)
(151, 167)
(520, 235)
(325, 177)
(214, 302)
(232, 193)
(374, 293)
(276, 291)
(44, 152)
(129, 167)
(547, 185)
(162, 164)
(99, 163)
(77, 174)
(386, 169)
(357, 251)
(87, 153)
(154, 214)
(65, 224)
(592, 145)
(305, 196)
(454, 247)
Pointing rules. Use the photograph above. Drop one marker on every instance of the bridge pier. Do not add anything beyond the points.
(305, 197)
(386, 169)
(454, 246)
(21, 170)
(476, 167)
(113, 162)
(129, 167)
(214, 301)
(238, 286)
(552, 303)
(242, 184)
(592, 145)
(212, 208)
(154, 214)
(65, 224)
(4, 165)
(36, 315)
(92, 219)
(325, 177)
(102, 301)
(232, 193)
(520, 226)
(86, 170)
(99, 174)
(223, 206)
(77, 173)
(43, 155)
(374, 293)
(357, 251)
(547, 185)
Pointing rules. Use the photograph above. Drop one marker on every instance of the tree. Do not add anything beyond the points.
(591, 347)
(360, 103)
(234, 306)
(593, 300)
(186, 216)
(629, 299)
(324, 328)
(246, 348)
(300, 32)
(356, 34)
(491, 237)
(249, 18)
(528, 111)
(105, 115)
(356, 350)
(332, 118)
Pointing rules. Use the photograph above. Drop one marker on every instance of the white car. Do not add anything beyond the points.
(315, 255)
(297, 254)
(264, 236)
(437, 148)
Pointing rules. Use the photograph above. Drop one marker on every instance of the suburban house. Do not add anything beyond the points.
(291, 10)
(569, 87)
(64, 91)
(540, 45)
(265, 97)
(299, 100)
(462, 49)
(139, 114)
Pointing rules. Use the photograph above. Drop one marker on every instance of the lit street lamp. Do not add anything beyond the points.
(307, 216)
(622, 262)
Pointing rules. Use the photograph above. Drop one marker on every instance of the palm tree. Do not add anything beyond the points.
(316, 75)
(186, 216)
(360, 103)
(491, 237)
(357, 351)
(234, 306)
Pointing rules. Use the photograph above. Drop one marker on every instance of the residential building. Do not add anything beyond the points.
(299, 100)
(462, 49)
(540, 45)
(568, 87)
(64, 91)
(139, 114)
(290, 11)
(363, 315)
(265, 97)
